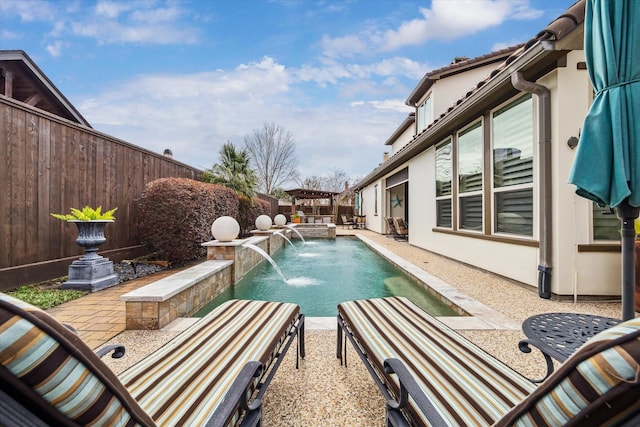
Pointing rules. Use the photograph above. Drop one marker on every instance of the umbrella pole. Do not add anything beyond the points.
(627, 215)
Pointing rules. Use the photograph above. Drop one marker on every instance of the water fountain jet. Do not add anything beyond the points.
(297, 232)
(279, 233)
(267, 257)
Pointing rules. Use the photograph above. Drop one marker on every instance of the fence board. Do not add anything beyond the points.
(49, 164)
(17, 146)
(5, 185)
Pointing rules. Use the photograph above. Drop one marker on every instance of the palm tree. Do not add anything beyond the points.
(233, 171)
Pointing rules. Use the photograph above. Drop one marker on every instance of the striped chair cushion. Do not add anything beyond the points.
(467, 385)
(597, 385)
(184, 381)
(52, 373)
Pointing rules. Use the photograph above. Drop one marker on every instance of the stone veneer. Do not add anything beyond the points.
(182, 294)
(316, 231)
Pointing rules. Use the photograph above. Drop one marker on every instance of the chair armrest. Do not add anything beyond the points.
(237, 395)
(117, 349)
(409, 387)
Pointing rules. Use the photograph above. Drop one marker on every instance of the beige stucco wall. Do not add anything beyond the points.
(403, 139)
(584, 273)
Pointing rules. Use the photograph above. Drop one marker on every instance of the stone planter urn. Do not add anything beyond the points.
(91, 272)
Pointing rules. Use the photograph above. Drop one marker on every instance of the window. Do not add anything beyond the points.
(424, 114)
(606, 224)
(444, 172)
(375, 202)
(470, 177)
(512, 148)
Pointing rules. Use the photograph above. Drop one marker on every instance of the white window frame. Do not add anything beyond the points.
(528, 186)
(445, 197)
(424, 117)
(461, 196)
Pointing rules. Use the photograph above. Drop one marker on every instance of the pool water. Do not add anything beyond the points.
(321, 273)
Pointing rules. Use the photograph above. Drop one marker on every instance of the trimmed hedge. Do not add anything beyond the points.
(249, 210)
(176, 216)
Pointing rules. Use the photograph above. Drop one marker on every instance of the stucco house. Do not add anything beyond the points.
(479, 170)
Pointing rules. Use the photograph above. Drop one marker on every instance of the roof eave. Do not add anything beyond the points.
(20, 55)
(534, 55)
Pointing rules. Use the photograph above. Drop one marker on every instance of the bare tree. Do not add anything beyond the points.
(335, 180)
(272, 152)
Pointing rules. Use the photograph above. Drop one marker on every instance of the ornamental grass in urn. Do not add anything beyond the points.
(92, 272)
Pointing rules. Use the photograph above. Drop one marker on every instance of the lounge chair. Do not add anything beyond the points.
(431, 375)
(390, 227)
(400, 230)
(214, 373)
(346, 223)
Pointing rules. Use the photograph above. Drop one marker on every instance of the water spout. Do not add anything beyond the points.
(267, 257)
(296, 231)
(279, 233)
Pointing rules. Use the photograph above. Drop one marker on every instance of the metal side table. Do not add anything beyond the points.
(559, 335)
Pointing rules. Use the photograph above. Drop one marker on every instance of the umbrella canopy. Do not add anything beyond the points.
(606, 168)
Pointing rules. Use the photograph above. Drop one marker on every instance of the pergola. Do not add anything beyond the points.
(307, 194)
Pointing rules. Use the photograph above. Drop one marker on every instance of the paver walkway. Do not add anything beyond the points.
(100, 316)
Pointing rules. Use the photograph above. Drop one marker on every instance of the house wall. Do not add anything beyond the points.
(592, 272)
(446, 91)
(597, 272)
(367, 201)
(403, 139)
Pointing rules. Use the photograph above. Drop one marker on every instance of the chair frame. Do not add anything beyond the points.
(243, 396)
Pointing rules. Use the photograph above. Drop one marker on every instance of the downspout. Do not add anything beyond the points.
(544, 153)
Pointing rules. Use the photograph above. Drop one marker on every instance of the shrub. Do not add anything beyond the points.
(249, 210)
(176, 216)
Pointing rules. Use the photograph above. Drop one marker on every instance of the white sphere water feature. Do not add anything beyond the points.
(225, 229)
(263, 222)
(280, 219)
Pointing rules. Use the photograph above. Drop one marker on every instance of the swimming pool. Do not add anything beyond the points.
(322, 273)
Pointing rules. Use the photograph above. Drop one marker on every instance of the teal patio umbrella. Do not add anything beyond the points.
(606, 168)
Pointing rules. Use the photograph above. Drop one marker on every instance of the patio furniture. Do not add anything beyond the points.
(431, 375)
(559, 335)
(359, 221)
(346, 222)
(400, 228)
(215, 372)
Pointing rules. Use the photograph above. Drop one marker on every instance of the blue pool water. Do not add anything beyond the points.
(322, 273)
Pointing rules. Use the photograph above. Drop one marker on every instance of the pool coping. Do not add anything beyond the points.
(481, 316)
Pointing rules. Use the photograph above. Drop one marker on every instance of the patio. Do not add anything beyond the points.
(322, 392)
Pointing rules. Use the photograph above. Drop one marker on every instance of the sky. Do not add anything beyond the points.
(193, 75)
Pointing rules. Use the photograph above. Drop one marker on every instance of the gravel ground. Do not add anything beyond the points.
(322, 392)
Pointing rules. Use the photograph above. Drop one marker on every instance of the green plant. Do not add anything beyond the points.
(175, 216)
(295, 215)
(636, 224)
(87, 214)
(45, 298)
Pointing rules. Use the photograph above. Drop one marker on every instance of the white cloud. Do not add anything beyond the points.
(445, 20)
(194, 114)
(112, 9)
(55, 48)
(331, 71)
(27, 10)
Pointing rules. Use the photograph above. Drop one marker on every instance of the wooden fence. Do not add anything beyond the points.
(49, 164)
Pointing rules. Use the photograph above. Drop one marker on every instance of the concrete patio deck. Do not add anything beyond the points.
(322, 392)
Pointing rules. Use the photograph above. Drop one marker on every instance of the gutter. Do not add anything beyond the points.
(544, 152)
